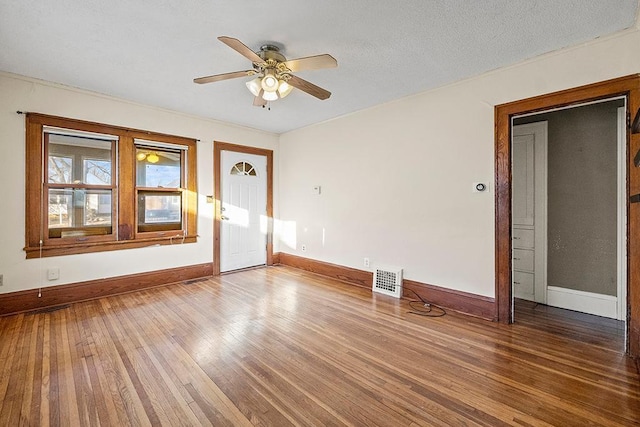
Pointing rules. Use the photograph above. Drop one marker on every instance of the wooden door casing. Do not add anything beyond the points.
(628, 87)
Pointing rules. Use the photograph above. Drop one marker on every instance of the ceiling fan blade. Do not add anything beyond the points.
(258, 101)
(312, 63)
(225, 76)
(309, 88)
(241, 48)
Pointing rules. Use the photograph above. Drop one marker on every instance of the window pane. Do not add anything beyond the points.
(243, 168)
(160, 208)
(60, 208)
(97, 207)
(60, 169)
(158, 168)
(97, 172)
(79, 212)
(74, 159)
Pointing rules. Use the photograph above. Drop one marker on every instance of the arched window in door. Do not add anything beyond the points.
(243, 168)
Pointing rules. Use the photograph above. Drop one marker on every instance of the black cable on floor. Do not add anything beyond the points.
(425, 308)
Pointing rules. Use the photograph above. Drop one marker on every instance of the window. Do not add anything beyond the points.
(243, 168)
(93, 187)
(79, 187)
(159, 185)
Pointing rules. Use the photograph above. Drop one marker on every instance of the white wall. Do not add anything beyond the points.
(396, 179)
(17, 93)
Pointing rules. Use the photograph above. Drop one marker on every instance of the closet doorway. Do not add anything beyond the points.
(627, 87)
(569, 208)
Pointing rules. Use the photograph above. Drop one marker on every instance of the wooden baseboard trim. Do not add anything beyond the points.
(276, 258)
(22, 301)
(339, 272)
(462, 302)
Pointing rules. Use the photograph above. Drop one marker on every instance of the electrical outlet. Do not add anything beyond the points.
(53, 274)
(366, 262)
(304, 248)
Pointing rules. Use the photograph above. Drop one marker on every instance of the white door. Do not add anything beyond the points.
(621, 308)
(522, 177)
(243, 231)
(529, 211)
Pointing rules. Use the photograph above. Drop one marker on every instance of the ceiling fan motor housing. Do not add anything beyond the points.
(269, 51)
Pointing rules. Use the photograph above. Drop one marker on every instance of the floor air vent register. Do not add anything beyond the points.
(388, 281)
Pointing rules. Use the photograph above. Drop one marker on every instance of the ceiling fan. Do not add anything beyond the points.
(274, 72)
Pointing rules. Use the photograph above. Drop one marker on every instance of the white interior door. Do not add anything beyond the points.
(529, 211)
(243, 231)
(621, 309)
(523, 174)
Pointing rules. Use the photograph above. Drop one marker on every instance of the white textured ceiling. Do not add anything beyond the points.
(149, 51)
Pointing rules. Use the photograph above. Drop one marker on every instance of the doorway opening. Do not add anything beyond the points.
(569, 208)
(569, 229)
(627, 88)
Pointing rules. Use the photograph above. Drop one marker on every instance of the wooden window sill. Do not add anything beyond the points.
(89, 247)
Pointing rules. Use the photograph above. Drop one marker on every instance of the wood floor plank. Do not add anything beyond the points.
(70, 397)
(278, 346)
(105, 406)
(11, 409)
(167, 394)
(11, 336)
(129, 384)
(157, 391)
(31, 391)
(185, 374)
(385, 361)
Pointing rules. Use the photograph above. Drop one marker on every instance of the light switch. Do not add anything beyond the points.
(316, 189)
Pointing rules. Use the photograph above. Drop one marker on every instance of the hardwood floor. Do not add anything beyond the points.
(279, 346)
(587, 328)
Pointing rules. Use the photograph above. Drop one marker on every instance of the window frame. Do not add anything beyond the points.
(77, 164)
(124, 220)
(146, 229)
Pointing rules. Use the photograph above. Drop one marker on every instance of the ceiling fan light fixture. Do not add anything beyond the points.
(270, 95)
(269, 83)
(153, 158)
(254, 86)
(284, 89)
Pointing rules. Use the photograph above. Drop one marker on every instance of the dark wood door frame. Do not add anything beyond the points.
(629, 87)
(218, 147)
